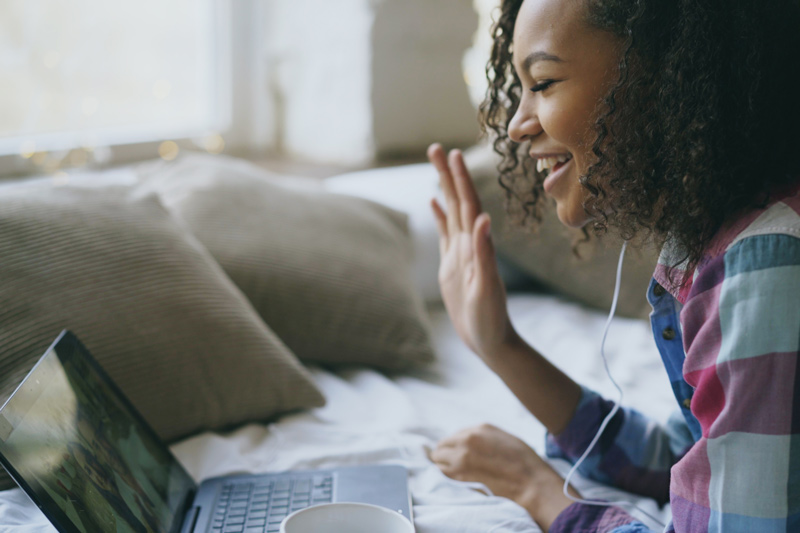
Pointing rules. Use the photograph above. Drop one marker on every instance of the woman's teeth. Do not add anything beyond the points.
(547, 163)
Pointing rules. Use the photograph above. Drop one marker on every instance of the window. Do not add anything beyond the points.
(476, 58)
(93, 73)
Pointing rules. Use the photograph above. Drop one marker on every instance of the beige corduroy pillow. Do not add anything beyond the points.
(330, 274)
(547, 255)
(147, 300)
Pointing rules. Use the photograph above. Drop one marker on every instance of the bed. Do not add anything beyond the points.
(371, 417)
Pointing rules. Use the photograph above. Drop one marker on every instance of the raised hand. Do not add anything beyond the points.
(471, 287)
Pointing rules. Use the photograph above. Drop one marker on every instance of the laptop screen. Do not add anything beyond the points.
(83, 453)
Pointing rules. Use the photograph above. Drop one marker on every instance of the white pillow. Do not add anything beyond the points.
(407, 189)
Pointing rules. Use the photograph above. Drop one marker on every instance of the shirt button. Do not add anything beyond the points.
(687, 403)
(668, 334)
(658, 290)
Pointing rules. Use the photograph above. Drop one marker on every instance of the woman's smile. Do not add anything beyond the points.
(557, 171)
(555, 166)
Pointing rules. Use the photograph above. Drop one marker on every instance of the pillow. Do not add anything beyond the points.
(148, 301)
(407, 189)
(547, 255)
(330, 274)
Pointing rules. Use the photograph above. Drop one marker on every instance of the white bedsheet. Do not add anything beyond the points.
(371, 418)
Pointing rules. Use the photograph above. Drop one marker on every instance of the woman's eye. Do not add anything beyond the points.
(542, 86)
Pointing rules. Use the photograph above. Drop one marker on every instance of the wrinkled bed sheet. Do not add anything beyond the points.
(372, 418)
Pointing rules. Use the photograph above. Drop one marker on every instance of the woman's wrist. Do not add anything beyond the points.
(545, 500)
(510, 342)
(549, 394)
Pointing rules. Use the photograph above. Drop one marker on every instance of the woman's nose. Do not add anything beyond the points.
(524, 125)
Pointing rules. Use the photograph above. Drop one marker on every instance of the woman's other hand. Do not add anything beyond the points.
(470, 283)
(507, 466)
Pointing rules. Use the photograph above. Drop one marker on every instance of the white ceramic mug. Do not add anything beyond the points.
(346, 518)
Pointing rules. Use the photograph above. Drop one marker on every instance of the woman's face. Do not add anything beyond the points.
(566, 68)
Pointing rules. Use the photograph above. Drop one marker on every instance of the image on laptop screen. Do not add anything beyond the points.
(84, 455)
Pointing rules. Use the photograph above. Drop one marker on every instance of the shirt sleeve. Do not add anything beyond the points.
(585, 518)
(741, 325)
(634, 452)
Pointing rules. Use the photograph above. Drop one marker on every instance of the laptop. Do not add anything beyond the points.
(91, 463)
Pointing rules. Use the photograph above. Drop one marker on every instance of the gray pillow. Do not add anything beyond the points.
(330, 274)
(148, 301)
(547, 255)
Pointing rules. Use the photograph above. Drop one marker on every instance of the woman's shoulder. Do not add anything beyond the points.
(781, 216)
(758, 239)
(742, 302)
(764, 244)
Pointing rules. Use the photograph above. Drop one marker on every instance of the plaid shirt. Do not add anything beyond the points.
(729, 338)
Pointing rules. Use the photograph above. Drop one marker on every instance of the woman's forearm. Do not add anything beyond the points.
(542, 388)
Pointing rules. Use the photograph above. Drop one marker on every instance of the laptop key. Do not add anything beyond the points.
(279, 511)
(303, 485)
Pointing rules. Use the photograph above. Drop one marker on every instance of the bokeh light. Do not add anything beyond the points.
(214, 144)
(168, 150)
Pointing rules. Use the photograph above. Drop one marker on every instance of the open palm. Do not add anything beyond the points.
(471, 287)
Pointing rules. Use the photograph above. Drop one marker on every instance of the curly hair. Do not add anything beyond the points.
(702, 124)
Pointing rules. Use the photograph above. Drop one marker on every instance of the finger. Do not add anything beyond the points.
(439, 160)
(484, 248)
(443, 458)
(457, 439)
(441, 224)
(468, 197)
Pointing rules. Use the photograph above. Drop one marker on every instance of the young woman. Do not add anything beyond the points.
(671, 120)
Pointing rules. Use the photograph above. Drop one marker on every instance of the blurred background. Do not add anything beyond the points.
(315, 86)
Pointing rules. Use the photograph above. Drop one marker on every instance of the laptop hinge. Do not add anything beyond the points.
(190, 520)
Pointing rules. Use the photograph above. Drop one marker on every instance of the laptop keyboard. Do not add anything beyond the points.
(260, 506)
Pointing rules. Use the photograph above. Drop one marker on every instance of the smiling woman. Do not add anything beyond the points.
(674, 122)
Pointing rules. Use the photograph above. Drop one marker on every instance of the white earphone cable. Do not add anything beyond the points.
(611, 414)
